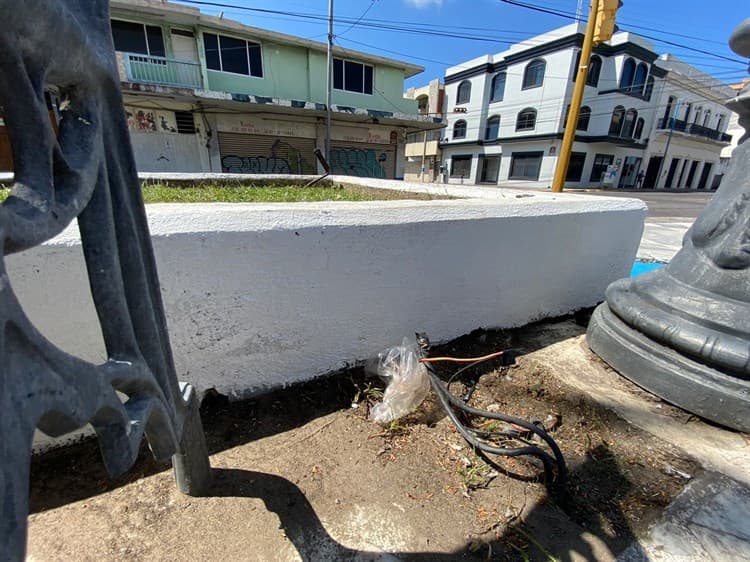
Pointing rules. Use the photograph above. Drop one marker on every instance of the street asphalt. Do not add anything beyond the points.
(670, 214)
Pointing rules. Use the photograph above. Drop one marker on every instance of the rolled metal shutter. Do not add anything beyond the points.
(263, 154)
(363, 159)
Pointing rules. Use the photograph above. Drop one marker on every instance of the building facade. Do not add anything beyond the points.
(506, 116)
(423, 155)
(204, 93)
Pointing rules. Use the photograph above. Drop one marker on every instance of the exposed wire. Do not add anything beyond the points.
(462, 359)
(555, 470)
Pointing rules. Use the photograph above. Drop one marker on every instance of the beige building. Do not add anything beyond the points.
(423, 147)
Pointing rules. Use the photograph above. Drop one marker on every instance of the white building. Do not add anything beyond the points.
(506, 116)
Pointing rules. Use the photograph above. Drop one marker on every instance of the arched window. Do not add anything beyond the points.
(492, 131)
(720, 122)
(584, 115)
(459, 129)
(595, 68)
(526, 120)
(640, 78)
(615, 125)
(649, 88)
(498, 87)
(707, 118)
(698, 115)
(464, 92)
(638, 128)
(628, 124)
(533, 76)
(628, 73)
(423, 104)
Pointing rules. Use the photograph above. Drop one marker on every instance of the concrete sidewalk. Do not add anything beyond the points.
(662, 239)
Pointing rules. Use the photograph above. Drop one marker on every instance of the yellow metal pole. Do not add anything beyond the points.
(575, 105)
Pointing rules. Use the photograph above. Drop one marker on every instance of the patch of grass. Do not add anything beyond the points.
(158, 193)
(263, 193)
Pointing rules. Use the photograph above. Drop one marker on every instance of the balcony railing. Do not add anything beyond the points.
(693, 129)
(161, 70)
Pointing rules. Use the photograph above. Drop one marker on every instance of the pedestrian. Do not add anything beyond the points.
(639, 179)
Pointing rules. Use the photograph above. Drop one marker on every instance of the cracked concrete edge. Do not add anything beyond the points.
(714, 448)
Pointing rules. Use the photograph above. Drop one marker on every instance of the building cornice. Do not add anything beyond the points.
(576, 40)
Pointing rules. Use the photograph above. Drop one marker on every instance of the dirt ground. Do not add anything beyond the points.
(302, 474)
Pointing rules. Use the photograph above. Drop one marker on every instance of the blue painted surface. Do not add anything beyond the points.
(640, 267)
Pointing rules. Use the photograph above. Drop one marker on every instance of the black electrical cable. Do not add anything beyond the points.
(554, 479)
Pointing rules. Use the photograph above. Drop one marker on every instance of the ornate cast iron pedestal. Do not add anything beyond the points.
(683, 331)
(86, 170)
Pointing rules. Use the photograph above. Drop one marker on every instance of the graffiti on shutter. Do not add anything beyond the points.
(260, 155)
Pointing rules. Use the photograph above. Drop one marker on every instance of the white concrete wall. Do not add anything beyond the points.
(259, 296)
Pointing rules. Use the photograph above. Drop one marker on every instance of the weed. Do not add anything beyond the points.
(475, 473)
(369, 393)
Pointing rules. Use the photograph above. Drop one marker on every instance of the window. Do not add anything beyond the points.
(526, 120)
(525, 165)
(352, 76)
(489, 168)
(423, 103)
(461, 166)
(595, 69)
(649, 88)
(628, 125)
(464, 92)
(707, 118)
(638, 128)
(720, 122)
(459, 130)
(601, 161)
(575, 166)
(628, 74)
(492, 131)
(498, 87)
(185, 122)
(698, 114)
(640, 78)
(533, 76)
(584, 116)
(229, 54)
(138, 38)
(615, 125)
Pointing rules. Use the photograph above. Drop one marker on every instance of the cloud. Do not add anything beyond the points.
(424, 3)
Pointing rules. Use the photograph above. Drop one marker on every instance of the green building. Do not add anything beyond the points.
(207, 94)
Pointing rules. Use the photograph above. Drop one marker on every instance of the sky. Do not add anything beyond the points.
(437, 34)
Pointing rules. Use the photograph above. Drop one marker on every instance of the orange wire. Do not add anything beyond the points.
(461, 359)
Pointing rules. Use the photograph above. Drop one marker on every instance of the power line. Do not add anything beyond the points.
(359, 19)
(371, 24)
(568, 15)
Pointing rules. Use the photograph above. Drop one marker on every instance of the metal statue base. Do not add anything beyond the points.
(670, 375)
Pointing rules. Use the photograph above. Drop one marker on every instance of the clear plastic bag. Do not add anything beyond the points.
(407, 381)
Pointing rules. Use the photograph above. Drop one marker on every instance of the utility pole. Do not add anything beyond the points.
(600, 27)
(329, 81)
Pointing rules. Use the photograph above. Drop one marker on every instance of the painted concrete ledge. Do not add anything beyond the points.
(259, 296)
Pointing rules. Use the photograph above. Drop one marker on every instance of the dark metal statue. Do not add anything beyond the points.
(683, 331)
(86, 170)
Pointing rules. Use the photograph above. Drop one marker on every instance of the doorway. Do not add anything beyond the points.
(652, 172)
(629, 172)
